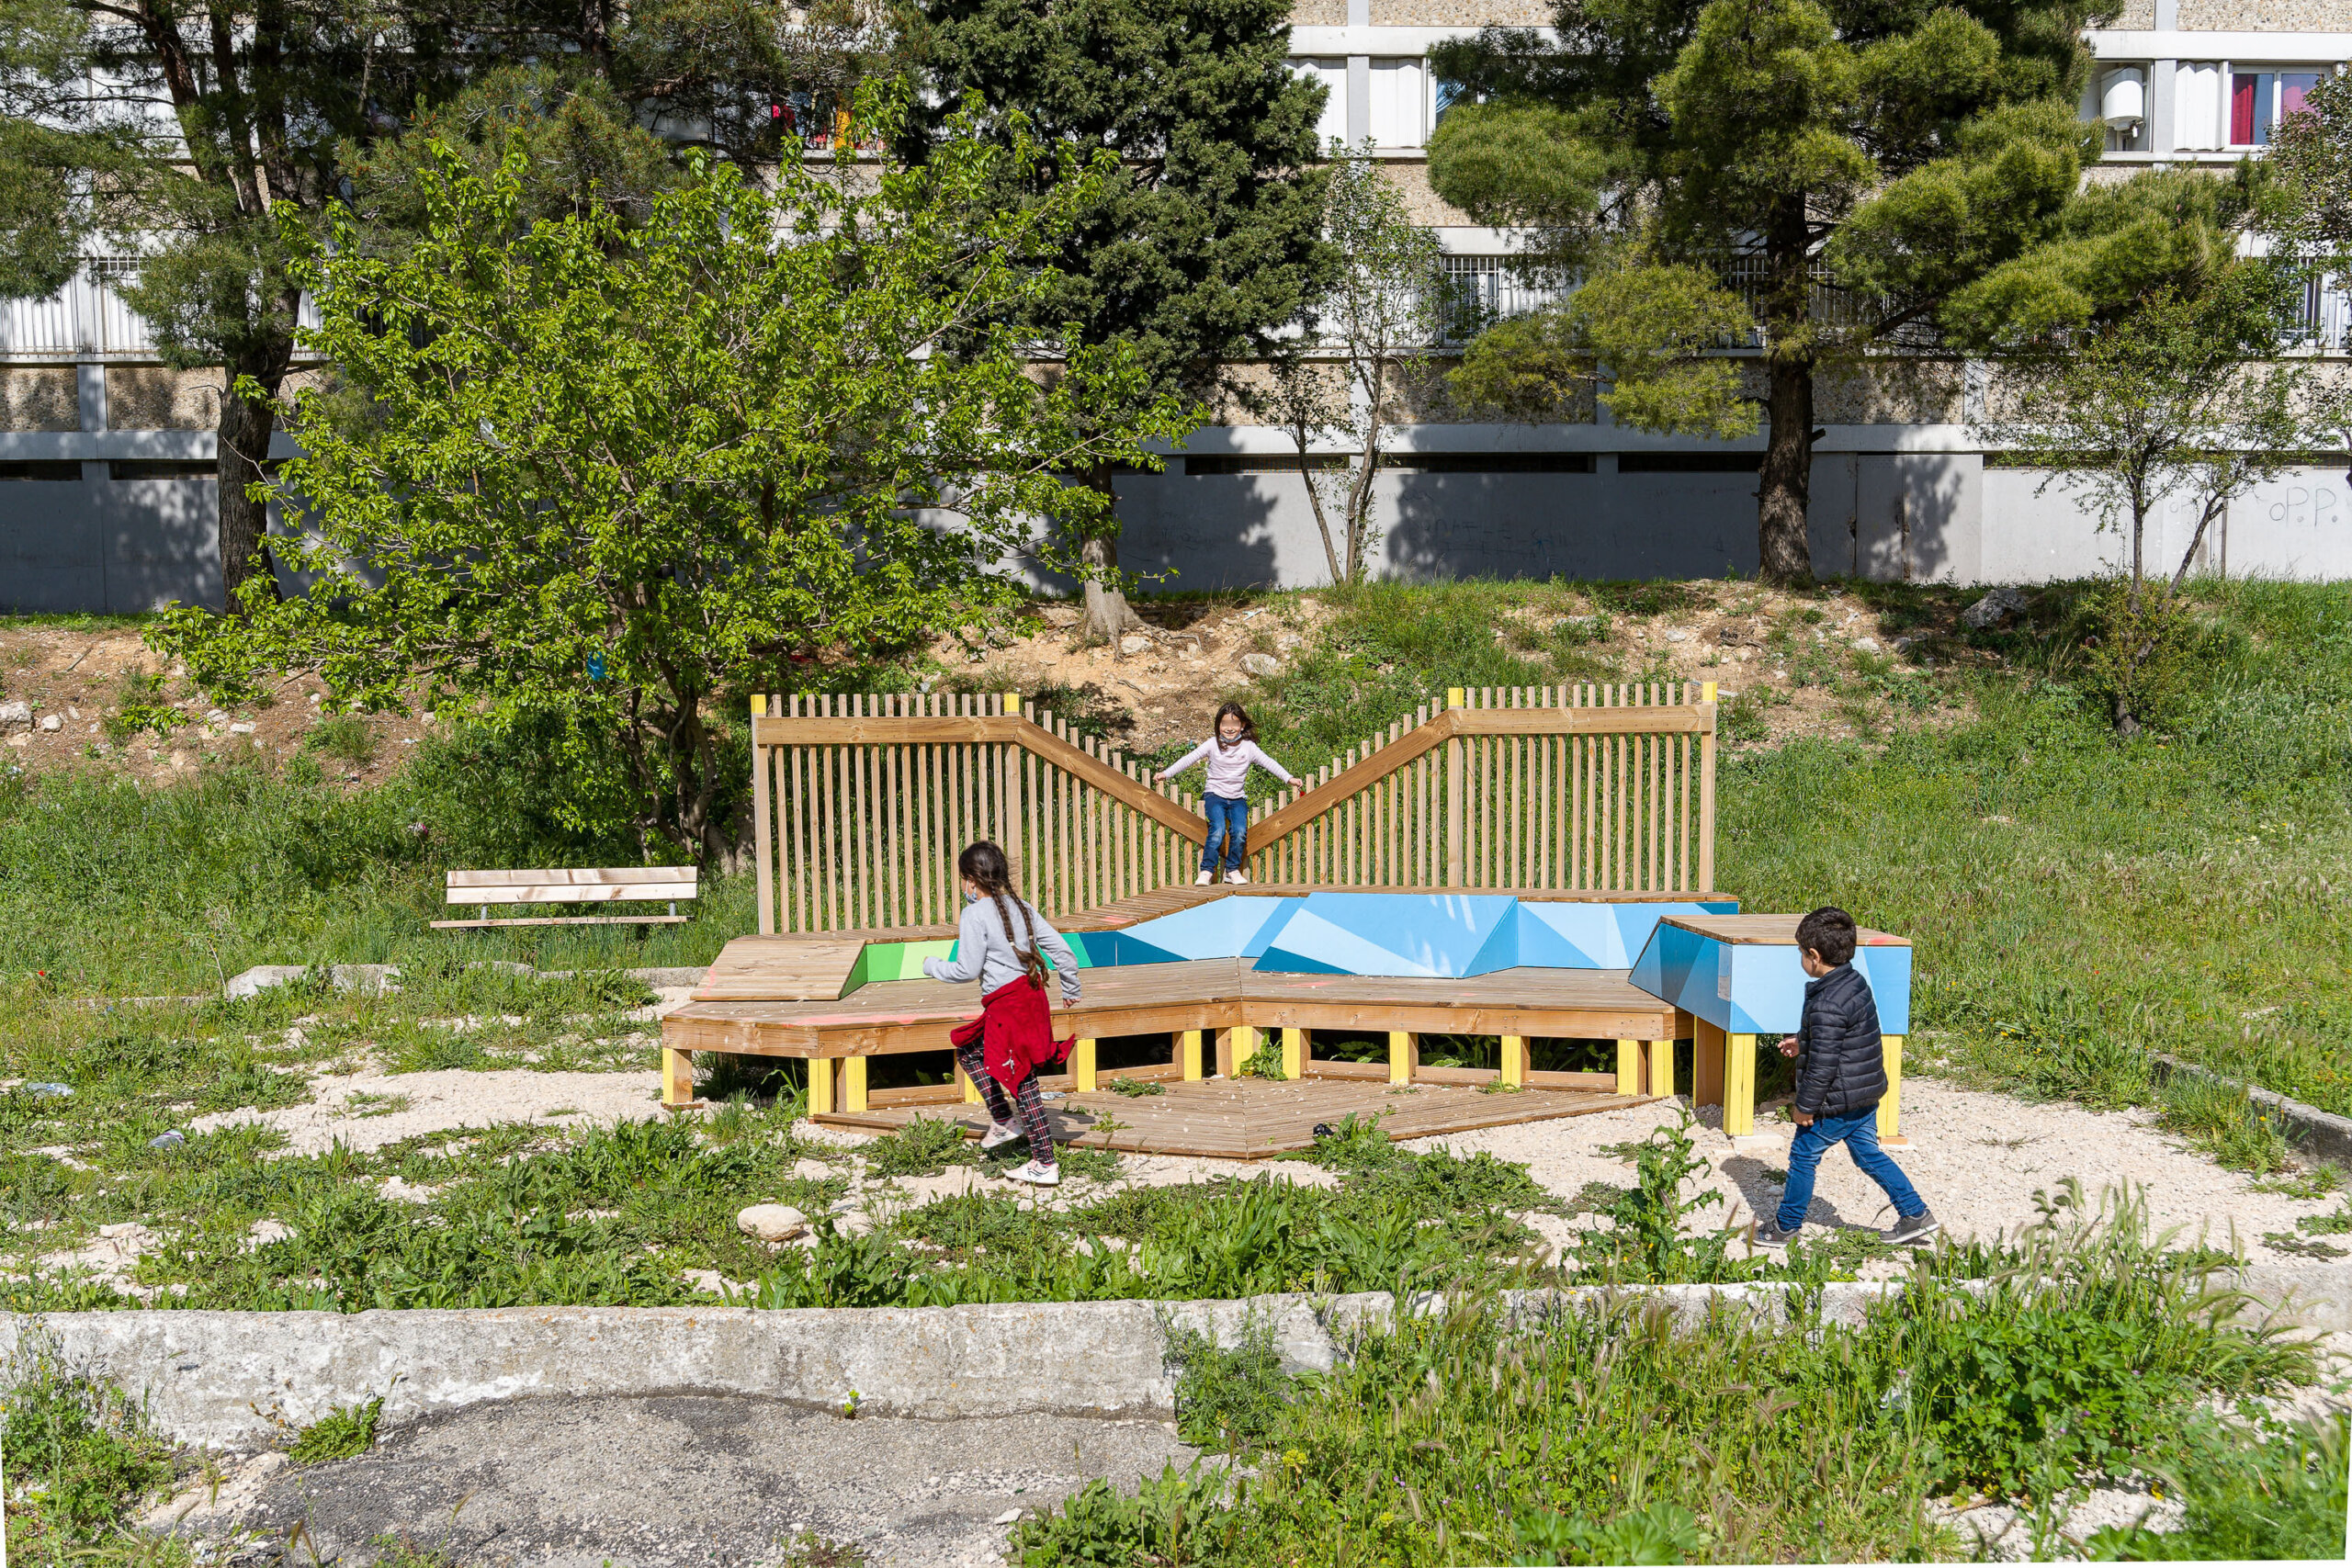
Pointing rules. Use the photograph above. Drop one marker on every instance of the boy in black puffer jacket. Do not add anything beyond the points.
(1841, 1077)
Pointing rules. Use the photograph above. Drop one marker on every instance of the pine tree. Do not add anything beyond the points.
(1212, 243)
(1846, 164)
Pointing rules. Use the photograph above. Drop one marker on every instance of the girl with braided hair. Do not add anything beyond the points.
(1004, 943)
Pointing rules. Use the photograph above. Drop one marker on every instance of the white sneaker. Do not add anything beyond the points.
(1237, 877)
(998, 1134)
(1204, 879)
(1037, 1174)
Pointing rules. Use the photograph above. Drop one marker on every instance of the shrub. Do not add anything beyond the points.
(346, 1432)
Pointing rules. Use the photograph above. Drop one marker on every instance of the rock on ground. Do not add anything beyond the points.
(581, 1484)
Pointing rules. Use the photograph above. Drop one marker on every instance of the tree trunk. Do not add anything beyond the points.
(1785, 484)
(243, 435)
(1108, 615)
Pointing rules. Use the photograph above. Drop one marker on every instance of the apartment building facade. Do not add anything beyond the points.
(105, 455)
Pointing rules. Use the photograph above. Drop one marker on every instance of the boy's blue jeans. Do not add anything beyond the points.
(1229, 821)
(1859, 1133)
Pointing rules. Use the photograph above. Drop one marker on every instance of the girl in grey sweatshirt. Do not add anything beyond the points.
(1004, 943)
(1230, 753)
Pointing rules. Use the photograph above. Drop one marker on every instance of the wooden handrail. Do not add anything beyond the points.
(958, 730)
(1691, 718)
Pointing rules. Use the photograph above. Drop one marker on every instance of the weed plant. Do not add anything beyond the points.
(1577, 1433)
(80, 1457)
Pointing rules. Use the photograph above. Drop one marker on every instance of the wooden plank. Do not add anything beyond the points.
(1768, 931)
(564, 920)
(763, 829)
(974, 729)
(677, 1078)
(781, 968)
(1890, 1107)
(1661, 1067)
(604, 876)
(1404, 1055)
(574, 893)
(1739, 1085)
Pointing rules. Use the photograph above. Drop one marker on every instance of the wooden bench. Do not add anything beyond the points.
(671, 885)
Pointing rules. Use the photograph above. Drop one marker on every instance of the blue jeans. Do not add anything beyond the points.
(1859, 1133)
(1229, 821)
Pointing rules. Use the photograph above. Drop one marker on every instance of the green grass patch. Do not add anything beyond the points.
(346, 1432)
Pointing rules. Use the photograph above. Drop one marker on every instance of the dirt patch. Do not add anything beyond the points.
(86, 679)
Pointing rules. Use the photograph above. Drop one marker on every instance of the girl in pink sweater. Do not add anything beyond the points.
(1230, 754)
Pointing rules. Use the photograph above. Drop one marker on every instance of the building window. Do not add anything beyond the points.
(1333, 74)
(1400, 103)
(2260, 99)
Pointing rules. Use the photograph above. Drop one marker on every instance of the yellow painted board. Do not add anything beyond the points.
(1404, 1055)
(853, 1085)
(1739, 1085)
(1081, 1065)
(1629, 1066)
(1890, 1110)
(1294, 1054)
(677, 1077)
(1662, 1068)
(1515, 1074)
(820, 1086)
(964, 1081)
(1187, 1054)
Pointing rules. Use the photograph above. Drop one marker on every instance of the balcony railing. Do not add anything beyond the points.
(88, 319)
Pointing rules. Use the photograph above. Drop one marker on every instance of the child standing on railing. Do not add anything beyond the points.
(1229, 752)
(1001, 1050)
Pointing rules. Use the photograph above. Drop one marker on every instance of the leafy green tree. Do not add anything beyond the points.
(602, 475)
(222, 120)
(2310, 157)
(1362, 351)
(1209, 243)
(2183, 397)
(1844, 164)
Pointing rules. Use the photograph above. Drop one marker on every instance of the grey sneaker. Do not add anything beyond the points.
(1767, 1233)
(1913, 1229)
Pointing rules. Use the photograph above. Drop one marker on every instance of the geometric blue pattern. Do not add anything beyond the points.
(1414, 935)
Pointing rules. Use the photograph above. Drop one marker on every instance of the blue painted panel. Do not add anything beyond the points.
(1222, 928)
(1748, 989)
(1679, 968)
(1312, 944)
(1600, 936)
(1428, 934)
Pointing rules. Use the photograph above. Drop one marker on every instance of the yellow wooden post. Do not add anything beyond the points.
(1294, 1054)
(1739, 1085)
(1404, 1055)
(1081, 1065)
(853, 1085)
(1629, 1066)
(820, 1086)
(1514, 1061)
(1662, 1068)
(964, 1081)
(1187, 1054)
(1234, 1046)
(1890, 1109)
(677, 1077)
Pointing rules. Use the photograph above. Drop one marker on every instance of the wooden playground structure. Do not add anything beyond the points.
(1574, 796)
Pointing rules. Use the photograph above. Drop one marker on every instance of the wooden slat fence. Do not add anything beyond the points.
(1599, 787)
(863, 801)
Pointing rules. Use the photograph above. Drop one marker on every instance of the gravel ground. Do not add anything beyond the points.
(445, 1100)
(1978, 1159)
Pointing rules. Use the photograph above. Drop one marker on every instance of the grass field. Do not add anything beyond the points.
(2078, 904)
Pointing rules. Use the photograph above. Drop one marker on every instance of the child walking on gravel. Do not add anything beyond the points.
(1001, 1050)
(1841, 1077)
(1229, 752)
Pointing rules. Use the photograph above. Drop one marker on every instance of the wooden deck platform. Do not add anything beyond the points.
(895, 1015)
(1252, 1118)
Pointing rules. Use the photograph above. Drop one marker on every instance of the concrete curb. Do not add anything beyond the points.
(234, 1380)
(2323, 1132)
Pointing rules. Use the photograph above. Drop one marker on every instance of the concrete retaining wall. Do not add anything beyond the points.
(228, 1378)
